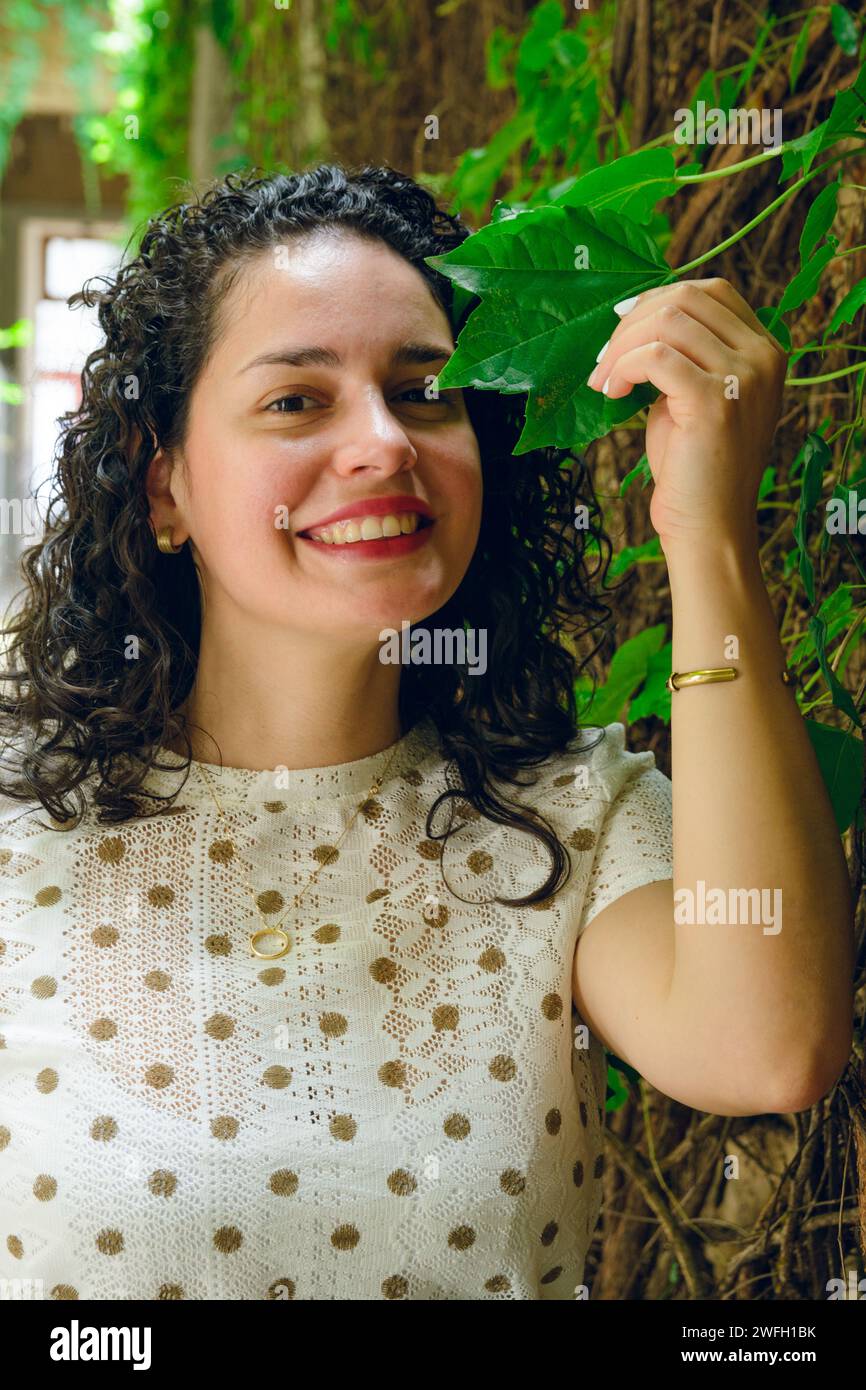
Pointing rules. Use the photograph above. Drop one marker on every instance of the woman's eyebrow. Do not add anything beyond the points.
(404, 355)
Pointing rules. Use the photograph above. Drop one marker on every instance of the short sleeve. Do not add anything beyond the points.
(634, 844)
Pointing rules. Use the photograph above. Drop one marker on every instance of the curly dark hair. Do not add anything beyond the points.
(95, 574)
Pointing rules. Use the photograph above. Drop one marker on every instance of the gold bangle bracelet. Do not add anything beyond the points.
(678, 679)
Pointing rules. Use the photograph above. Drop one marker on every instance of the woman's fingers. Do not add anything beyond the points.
(727, 305)
(661, 365)
(670, 324)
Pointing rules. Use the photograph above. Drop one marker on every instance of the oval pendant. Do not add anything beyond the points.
(270, 955)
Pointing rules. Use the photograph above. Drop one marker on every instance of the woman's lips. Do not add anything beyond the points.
(388, 547)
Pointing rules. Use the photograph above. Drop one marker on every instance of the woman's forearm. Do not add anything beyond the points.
(751, 812)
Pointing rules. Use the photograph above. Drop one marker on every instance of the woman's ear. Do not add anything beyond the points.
(157, 486)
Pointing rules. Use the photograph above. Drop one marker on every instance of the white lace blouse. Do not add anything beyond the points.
(399, 1108)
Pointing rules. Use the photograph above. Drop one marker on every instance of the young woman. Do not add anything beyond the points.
(293, 927)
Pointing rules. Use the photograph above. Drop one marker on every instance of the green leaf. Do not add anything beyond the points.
(754, 57)
(805, 282)
(555, 121)
(461, 300)
(840, 758)
(631, 185)
(836, 605)
(768, 482)
(798, 57)
(641, 470)
(844, 29)
(816, 458)
(792, 158)
(655, 698)
(479, 170)
(500, 47)
(834, 610)
(819, 219)
(779, 329)
(854, 300)
(635, 554)
(544, 315)
(847, 111)
(841, 697)
(534, 53)
(627, 671)
(617, 1091)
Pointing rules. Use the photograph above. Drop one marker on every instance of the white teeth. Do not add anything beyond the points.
(367, 528)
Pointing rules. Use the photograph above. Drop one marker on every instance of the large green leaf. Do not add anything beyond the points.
(547, 280)
(840, 757)
(628, 669)
(655, 698)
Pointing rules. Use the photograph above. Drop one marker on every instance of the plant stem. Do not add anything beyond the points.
(762, 216)
(828, 376)
(735, 168)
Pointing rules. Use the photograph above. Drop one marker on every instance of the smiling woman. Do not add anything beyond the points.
(296, 1021)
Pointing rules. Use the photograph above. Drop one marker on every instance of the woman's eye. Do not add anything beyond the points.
(443, 398)
(289, 405)
(291, 410)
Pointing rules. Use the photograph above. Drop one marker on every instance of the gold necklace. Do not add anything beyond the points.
(267, 930)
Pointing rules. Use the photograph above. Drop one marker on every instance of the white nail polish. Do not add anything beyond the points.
(625, 305)
(605, 386)
(603, 351)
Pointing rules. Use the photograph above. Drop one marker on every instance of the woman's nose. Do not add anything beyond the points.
(373, 437)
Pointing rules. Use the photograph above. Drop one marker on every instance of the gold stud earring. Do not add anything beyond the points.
(163, 540)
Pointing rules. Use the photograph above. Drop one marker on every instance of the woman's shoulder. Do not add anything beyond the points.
(595, 765)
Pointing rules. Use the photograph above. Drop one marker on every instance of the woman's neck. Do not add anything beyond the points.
(326, 707)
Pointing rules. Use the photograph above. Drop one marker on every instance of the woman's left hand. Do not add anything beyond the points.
(708, 436)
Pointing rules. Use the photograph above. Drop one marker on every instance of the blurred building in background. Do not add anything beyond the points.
(49, 245)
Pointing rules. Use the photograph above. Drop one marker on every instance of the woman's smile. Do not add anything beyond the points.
(374, 527)
(347, 539)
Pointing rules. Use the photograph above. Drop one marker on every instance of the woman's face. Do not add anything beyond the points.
(274, 447)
